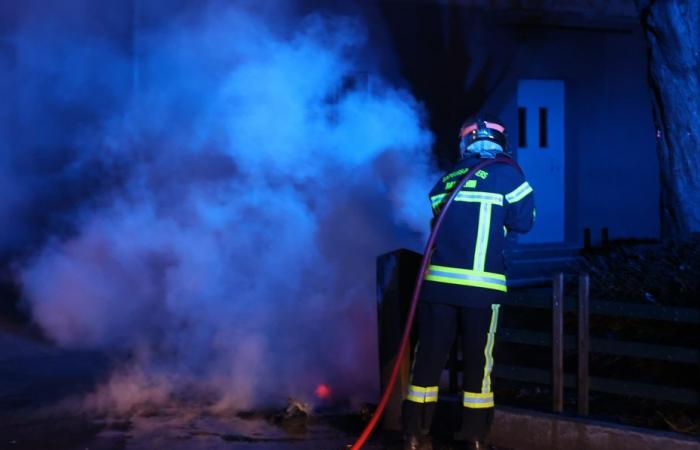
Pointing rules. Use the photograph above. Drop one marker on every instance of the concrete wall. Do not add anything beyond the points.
(530, 430)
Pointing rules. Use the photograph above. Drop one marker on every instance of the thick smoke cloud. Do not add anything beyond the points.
(218, 227)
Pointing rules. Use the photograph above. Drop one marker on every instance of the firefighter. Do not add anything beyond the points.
(465, 282)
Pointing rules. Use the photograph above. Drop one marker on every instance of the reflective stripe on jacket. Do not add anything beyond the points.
(468, 253)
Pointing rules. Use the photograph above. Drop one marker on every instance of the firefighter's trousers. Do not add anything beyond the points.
(438, 326)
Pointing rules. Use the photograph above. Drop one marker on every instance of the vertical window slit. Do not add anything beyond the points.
(522, 126)
(543, 128)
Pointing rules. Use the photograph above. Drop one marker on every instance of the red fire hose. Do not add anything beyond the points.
(416, 291)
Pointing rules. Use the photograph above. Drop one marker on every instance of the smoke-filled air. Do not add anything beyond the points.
(216, 229)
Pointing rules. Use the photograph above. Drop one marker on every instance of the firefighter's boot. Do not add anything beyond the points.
(417, 442)
(474, 445)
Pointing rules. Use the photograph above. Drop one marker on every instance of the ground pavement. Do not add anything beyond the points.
(36, 379)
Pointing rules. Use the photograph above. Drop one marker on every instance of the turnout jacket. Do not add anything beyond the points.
(466, 266)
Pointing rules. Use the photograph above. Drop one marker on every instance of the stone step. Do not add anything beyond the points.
(531, 265)
(539, 251)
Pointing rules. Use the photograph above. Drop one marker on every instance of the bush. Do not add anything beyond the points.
(665, 273)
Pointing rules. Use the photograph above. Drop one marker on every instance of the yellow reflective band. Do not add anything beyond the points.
(480, 197)
(419, 394)
(482, 237)
(466, 277)
(476, 400)
(469, 196)
(488, 349)
(493, 326)
(479, 284)
(519, 193)
(460, 271)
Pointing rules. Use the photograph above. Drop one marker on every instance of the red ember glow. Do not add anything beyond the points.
(322, 391)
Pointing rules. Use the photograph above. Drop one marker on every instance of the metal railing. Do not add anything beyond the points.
(585, 345)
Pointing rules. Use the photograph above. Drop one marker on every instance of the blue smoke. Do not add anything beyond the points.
(210, 201)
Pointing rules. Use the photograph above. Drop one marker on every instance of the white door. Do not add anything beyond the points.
(540, 153)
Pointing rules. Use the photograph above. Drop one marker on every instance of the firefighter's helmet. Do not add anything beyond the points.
(484, 136)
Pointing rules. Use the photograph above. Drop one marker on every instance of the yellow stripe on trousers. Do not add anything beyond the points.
(488, 350)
